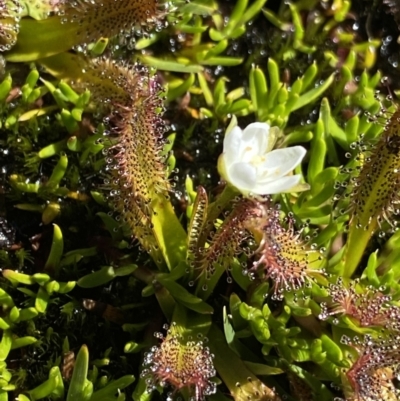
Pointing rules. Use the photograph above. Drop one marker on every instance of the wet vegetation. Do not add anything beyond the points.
(136, 264)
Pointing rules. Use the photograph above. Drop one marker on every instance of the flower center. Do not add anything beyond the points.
(252, 156)
(257, 160)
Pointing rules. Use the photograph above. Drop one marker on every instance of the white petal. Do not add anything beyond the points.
(243, 176)
(258, 135)
(222, 167)
(256, 129)
(284, 184)
(232, 143)
(280, 162)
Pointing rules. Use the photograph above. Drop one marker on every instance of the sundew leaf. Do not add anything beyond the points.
(85, 74)
(374, 195)
(36, 9)
(140, 192)
(196, 224)
(79, 23)
(10, 13)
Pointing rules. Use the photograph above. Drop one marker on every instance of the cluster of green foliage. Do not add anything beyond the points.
(104, 237)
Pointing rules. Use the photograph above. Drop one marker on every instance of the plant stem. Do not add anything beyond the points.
(356, 243)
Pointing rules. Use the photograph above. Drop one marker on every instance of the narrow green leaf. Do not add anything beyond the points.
(52, 149)
(23, 342)
(18, 278)
(169, 65)
(5, 87)
(97, 278)
(317, 159)
(21, 397)
(5, 344)
(78, 384)
(14, 314)
(235, 17)
(333, 351)
(66, 287)
(112, 388)
(125, 270)
(99, 47)
(274, 79)
(43, 390)
(4, 325)
(203, 7)
(56, 251)
(112, 226)
(42, 300)
(223, 60)
(251, 12)
(27, 313)
(174, 93)
(370, 271)
(185, 297)
(36, 113)
(352, 129)
(41, 278)
(208, 97)
(263, 370)
(142, 43)
(313, 94)
(258, 90)
(217, 49)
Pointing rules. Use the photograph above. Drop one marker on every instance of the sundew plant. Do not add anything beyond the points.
(199, 200)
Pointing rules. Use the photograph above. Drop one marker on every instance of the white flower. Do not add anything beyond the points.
(249, 163)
